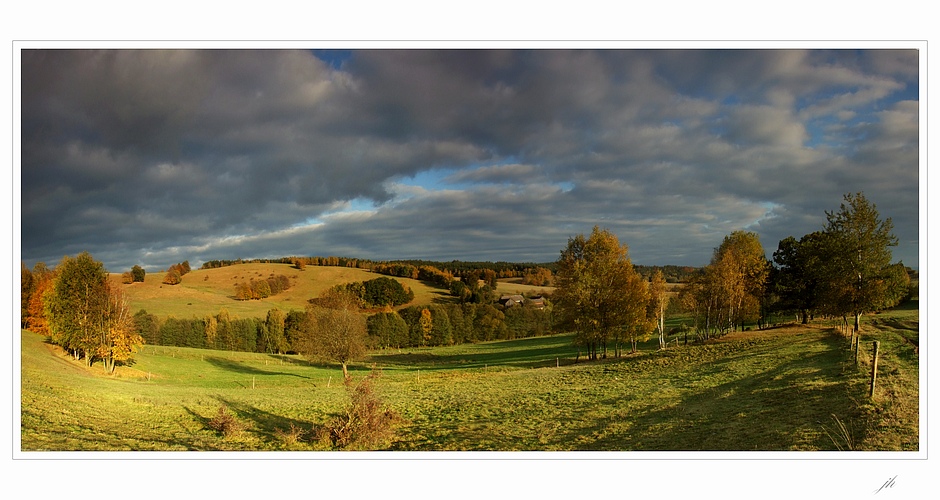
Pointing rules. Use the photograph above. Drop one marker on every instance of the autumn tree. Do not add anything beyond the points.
(260, 289)
(741, 270)
(39, 283)
(86, 316)
(272, 333)
(859, 274)
(172, 277)
(426, 323)
(243, 291)
(27, 287)
(538, 276)
(335, 330)
(118, 339)
(598, 293)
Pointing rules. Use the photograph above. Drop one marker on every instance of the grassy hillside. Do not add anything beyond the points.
(789, 388)
(206, 291)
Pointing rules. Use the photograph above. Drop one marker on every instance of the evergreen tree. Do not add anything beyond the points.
(858, 273)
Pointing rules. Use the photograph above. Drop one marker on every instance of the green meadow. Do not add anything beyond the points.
(781, 389)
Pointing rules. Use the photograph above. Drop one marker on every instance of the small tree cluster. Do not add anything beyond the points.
(82, 312)
(476, 287)
(538, 276)
(261, 289)
(845, 270)
(379, 292)
(600, 296)
(135, 275)
(174, 275)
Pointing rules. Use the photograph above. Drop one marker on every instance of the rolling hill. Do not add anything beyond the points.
(206, 291)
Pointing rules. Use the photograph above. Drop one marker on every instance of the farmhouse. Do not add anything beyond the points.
(512, 300)
(519, 300)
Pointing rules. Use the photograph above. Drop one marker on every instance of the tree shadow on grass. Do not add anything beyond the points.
(786, 407)
(533, 352)
(267, 426)
(243, 368)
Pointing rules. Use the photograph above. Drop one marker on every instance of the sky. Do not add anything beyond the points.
(152, 157)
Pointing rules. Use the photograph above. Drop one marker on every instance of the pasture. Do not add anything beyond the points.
(781, 389)
(206, 291)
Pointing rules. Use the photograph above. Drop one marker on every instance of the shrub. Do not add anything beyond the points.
(366, 425)
(225, 423)
(290, 437)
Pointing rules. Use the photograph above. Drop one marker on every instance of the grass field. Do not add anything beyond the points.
(206, 291)
(788, 388)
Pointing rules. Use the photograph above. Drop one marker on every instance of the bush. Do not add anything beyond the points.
(290, 437)
(225, 423)
(366, 425)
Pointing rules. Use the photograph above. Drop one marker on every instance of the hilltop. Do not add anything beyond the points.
(206, 291)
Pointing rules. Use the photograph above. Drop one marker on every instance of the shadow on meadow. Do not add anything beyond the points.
(537, 352)
(788, 407)
(269, 427)
(244, 368)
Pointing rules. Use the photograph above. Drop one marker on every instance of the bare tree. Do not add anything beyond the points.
(335, 330)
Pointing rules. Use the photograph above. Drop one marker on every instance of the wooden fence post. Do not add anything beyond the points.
(874, 370)
(858, 340)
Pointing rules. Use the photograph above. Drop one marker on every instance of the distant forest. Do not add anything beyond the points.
(457, 268)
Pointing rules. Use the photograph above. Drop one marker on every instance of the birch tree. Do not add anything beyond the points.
(599, 295)
(658, 302)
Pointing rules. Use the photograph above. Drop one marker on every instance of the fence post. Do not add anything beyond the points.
(858, 340)
(874, 370)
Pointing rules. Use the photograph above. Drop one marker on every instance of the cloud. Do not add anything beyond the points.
(155, 157)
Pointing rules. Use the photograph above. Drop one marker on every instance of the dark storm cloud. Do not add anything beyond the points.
(153, 157)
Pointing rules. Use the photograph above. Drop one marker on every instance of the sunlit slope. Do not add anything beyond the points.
(206, 291)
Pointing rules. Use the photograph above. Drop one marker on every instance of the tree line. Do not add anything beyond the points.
(842, 271)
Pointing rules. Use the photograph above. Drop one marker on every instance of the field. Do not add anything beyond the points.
(206, 291)
(787, 388)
